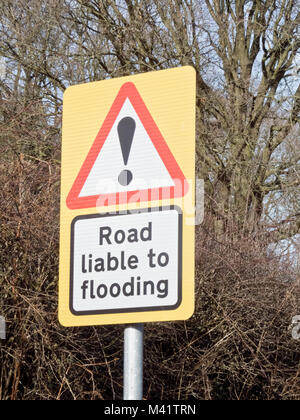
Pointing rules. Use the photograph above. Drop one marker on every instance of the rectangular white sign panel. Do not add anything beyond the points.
(126, 261)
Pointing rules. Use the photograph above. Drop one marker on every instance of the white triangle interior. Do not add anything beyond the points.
(144, 162)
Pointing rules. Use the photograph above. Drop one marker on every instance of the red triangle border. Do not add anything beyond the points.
(128, 90)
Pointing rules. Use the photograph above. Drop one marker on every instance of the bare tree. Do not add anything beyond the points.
(248, 97)
(257, 110)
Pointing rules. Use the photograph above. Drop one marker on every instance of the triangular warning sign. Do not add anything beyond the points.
(129, 160)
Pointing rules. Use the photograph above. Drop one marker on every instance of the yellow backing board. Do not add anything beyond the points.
(128, 259)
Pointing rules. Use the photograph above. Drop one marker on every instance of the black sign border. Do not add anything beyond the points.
(128, 310)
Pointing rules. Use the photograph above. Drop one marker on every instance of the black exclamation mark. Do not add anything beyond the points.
(126, 129)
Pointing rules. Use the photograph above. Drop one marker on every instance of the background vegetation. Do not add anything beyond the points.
(238, 345)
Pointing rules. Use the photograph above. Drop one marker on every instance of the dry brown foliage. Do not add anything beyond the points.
(237, 345)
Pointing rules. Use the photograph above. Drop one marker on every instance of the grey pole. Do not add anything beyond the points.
(133, 362)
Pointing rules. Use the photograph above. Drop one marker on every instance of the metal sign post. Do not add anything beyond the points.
(133, 362)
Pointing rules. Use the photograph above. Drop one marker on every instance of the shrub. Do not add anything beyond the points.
(236, 346)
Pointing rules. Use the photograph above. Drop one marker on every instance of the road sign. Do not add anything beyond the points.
(127, 200)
